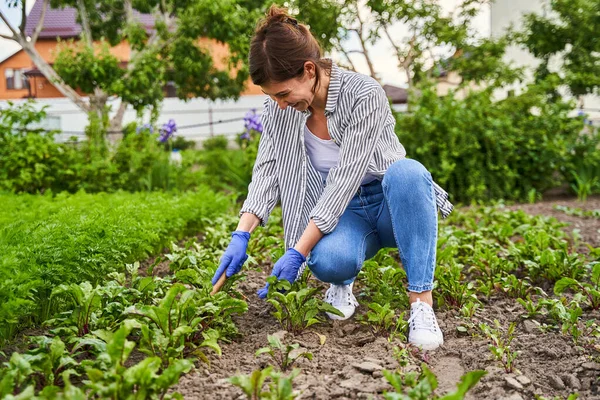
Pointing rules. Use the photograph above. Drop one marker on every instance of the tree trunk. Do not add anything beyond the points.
(116, 123)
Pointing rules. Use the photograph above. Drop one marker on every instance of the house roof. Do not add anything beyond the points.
(397, 94)
(62, 22)
(9, 55)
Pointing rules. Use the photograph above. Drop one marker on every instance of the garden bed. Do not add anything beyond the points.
(349, 363)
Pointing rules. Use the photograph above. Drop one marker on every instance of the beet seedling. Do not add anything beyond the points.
(500, 344)
(383, 321)
(280, 387)
(591, 291)
(411, 386)
(282, 354)
(296, 310)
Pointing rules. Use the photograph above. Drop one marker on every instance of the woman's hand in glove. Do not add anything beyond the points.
(285, 268)
(234, 257)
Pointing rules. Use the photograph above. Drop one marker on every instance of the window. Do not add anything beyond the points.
(15, 79)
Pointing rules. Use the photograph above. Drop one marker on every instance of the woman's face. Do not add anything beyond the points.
(294, 92)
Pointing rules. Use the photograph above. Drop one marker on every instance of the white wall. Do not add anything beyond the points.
(65, 116)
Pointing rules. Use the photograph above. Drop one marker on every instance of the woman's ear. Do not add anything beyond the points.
(310, 70)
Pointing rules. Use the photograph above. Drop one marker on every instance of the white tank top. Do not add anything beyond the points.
(324, 154)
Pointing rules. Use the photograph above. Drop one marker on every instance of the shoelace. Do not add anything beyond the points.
(426, 318)
(340, 295)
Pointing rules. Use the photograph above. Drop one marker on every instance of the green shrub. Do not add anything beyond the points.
(478, 149)
(30, 159)
(219, 142)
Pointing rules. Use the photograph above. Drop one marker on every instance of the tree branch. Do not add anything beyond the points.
(363, 44)
(8, 37)
(14, 32)
(40, 25)
(346, 54)
(23, 17)
(85, 22)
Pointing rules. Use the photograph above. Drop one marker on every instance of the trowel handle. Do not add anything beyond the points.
(219, 283)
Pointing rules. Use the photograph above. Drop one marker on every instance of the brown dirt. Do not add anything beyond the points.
(550, 361)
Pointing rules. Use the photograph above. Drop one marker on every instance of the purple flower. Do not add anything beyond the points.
(251, 123)
(167, 131)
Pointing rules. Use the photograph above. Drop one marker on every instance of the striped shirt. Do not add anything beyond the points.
(360, 121)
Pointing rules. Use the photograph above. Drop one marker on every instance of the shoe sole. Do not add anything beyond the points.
(338, 317)
(427, 347)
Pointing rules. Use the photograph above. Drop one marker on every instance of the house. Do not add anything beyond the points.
(19, 78)
(196, 118)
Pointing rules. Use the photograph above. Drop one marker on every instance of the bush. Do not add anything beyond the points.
(219, 142)
(478, 149)
(30, 159)
(582, 171)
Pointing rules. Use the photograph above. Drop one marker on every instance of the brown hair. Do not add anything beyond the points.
(280, 47)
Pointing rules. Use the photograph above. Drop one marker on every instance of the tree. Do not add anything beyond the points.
(432, 35)
(570, 29)
(168, 52)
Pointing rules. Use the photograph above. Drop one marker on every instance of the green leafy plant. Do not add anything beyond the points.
(500, 344)
(280, 387)
(422, 387)
(283, 355)
(48, 241)
(299, 309)
(383, 321)
(568, 316)
(532, 308)
(578, 212)
(82, 301)
(451, 290)
(182, 319)
(591, 291)
(42, 366)
(584, 184)
(109, 377)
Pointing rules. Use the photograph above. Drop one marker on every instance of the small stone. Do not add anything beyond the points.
(377, 374)
(367, 366)
(374, 360)
(531, 326)
(349, 328)
(523, 380)
(513, 383)
(353, 383)
(591, 365)
(556, 382)
(586, 383)
(571, 381)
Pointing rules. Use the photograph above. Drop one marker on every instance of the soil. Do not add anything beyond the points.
(549, 364)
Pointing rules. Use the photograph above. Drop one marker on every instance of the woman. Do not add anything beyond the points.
(329, 154)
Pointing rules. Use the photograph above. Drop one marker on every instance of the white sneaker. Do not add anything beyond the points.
(423, 329)
(341, 297)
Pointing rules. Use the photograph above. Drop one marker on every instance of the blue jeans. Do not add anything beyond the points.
(398, 212)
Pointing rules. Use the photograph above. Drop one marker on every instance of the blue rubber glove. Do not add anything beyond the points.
(285, 268)
(234, 257)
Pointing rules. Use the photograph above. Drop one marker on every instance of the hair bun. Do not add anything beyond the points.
(278, 14)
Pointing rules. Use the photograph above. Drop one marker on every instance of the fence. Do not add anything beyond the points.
(196, 119)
